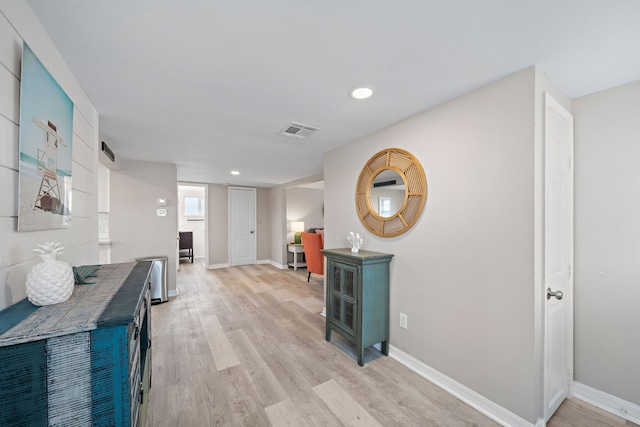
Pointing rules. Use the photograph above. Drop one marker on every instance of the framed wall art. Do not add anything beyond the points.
(46, 129)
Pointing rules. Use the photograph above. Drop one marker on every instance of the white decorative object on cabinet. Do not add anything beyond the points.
(50, 281)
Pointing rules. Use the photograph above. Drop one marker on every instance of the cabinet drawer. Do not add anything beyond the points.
(135, 331)
(134, 341)
(136, 397)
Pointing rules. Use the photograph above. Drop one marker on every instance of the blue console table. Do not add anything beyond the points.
(83, 362)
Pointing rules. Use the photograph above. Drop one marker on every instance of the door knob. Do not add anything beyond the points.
(557, 294)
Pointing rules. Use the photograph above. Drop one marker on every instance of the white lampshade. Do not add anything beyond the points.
(297, 226)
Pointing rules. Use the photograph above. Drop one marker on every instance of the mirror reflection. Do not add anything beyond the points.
(384, 205)
(387, 192)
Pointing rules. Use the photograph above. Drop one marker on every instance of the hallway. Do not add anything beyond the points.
(244, 346)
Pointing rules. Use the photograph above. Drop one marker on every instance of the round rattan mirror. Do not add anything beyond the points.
(389, 218)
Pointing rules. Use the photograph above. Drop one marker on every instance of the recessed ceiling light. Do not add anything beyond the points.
(235, 173)
(362, 92)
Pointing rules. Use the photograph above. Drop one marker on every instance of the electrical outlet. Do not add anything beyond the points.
(403, 321)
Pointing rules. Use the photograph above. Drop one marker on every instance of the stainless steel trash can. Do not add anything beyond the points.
(159, 291)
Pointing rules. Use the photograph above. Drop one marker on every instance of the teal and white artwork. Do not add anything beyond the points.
(46, 131)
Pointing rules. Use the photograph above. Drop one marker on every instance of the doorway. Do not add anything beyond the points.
(192, 217)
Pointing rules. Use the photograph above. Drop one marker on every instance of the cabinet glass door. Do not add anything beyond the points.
(336, 308)
(343, 296)
(337, 278)
(349, 286)
(349, 321)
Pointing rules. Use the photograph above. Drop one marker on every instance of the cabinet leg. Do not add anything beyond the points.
(384, 347)
(328, 333)
(360, 354)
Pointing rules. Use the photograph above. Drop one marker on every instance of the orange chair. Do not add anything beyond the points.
(312, 244)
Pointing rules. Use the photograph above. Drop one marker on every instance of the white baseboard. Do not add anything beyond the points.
(261, 261)
(470, 397)
(172, 293)
(615, 405)
(278, 265)
(214, 266)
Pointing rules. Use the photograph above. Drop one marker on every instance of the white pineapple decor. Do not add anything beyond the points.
(50, 281)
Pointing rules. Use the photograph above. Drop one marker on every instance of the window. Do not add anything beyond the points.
(384, 206)
(193, 206)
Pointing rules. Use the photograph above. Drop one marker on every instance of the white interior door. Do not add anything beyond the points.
(558, 255)
(242, 225)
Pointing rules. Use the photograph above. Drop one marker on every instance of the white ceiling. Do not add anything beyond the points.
(209, 84)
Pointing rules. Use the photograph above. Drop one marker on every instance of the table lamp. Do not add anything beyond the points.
(297, 227)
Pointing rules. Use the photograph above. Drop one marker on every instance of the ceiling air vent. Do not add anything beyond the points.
(298, 130)
(107, 151)
(384, 183)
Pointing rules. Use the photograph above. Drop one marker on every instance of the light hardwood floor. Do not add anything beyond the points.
(244, 346)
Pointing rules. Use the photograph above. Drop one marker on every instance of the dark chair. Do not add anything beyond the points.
(312, 244)
(186, 244)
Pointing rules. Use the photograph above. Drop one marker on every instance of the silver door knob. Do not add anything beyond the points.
(557, 294)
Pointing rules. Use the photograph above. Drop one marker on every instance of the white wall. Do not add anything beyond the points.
(104, 251)
(277, 199)
(304, 204)
(607, 230)
(464, 274)
(263, 225)
(219, 225)
(134, 228)
(18, 23)
(103, 188)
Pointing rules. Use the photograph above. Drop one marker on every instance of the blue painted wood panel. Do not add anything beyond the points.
(110, 379)
(23, 387)
(11, 316)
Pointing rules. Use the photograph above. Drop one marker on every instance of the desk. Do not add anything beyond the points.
(296, 249)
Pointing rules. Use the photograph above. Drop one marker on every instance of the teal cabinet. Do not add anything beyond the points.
(358, 298)
(83, 362)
